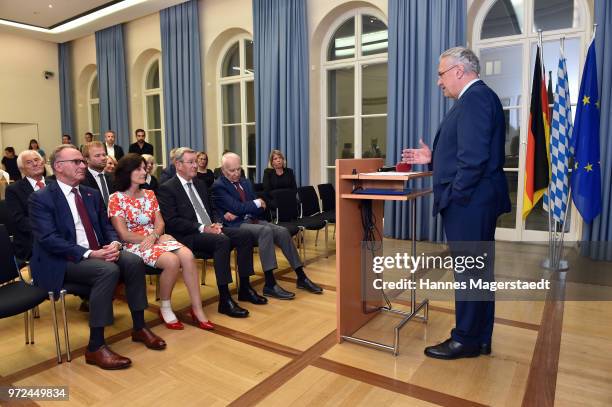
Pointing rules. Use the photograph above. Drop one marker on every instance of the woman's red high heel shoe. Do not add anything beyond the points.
(178, 325)
(202, 325)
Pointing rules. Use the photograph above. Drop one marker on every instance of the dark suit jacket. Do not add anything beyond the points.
(90, 182)
(118, 151)
(55, 235)
(468, 153)
(17, 195)
(146, 148)
(167, 173)
(152, 185)
(176, 208)
(227, 199)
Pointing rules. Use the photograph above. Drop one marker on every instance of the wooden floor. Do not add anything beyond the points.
(285, 354)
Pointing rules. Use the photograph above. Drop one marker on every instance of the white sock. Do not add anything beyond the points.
(166, 311)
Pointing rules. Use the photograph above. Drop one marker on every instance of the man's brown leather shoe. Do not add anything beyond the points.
(151, 341)
(107, 359)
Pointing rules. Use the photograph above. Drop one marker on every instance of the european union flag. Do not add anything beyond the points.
(586, 177)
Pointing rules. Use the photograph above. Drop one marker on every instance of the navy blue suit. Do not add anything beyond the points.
(470, 192)
(55, 236)
(56, 256)
(227, 199)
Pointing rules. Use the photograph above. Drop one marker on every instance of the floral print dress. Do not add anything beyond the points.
(139, 216)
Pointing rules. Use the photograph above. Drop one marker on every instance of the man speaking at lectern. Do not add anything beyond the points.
(470, 189)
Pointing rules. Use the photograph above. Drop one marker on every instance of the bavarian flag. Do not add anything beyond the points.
(537, 167)
(586, 176)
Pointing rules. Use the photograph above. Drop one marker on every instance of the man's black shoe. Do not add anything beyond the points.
(278, 292)
(249, 294)
(231, 308)
(485, 348)
(451, 349)
(308, 285)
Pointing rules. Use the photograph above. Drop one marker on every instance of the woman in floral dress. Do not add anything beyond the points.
(135, 214)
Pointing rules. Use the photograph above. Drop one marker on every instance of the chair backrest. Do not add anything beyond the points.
(258, 187)
(6, 219)
(8, 266)
(328, 196)
(286, 203)
(309, 200)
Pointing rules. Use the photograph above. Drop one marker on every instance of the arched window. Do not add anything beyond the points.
(237, 102)
(153, 109)
(505, 37)
(93, 103)
(355, 88)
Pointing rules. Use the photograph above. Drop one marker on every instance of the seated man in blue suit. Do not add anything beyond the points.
(470, 192)
(75, 242)
(236, 203)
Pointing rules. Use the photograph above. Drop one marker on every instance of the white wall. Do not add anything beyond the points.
(25, 95)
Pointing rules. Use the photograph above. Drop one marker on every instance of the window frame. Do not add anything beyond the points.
(152, 92)
(357, 62)
(91, 101)
(242, 79)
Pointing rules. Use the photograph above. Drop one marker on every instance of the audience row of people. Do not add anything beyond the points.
(87, 226)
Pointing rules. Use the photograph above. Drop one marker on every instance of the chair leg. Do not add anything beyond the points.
(65, 318)
(36, 312)
(317, 238)
(55, 330)
(326, 240)
(31, 323)
(203, 272)
(304, 244)
(26, 321)
(157, 288)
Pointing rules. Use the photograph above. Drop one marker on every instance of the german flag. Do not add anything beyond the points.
(537, 163)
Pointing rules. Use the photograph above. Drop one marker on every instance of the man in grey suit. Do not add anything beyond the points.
(237, 205)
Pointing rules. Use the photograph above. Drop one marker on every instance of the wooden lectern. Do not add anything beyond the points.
(350, 307)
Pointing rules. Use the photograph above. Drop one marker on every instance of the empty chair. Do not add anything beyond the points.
(310, 210)
(18, 296)
(288, 215)
(327, 193)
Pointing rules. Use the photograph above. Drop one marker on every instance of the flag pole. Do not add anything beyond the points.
(549, 262)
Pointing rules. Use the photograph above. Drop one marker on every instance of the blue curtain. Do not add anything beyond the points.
(65, 86)
(419, 31)
(281, 83)
(110, 60)
(182, 76)
(599, 233)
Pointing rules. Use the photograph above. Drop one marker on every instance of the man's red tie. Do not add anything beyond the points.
(240, 191)
(40, 184)
(89, 230)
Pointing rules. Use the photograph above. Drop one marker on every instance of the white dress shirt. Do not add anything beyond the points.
(110, 150)
(32, 182)
(184, 183)
(96, 176)
(81, 237)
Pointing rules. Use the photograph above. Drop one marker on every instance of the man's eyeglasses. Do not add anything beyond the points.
(188, 162)
(440, 74)
(75, 161)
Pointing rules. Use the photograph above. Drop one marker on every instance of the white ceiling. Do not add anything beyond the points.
(83, 17)
(39, 12)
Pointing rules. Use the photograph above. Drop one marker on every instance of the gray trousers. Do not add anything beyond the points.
(267, 235)
(102, 277)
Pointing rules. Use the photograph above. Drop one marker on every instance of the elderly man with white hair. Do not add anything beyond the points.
(237, 204)
(32, 167)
